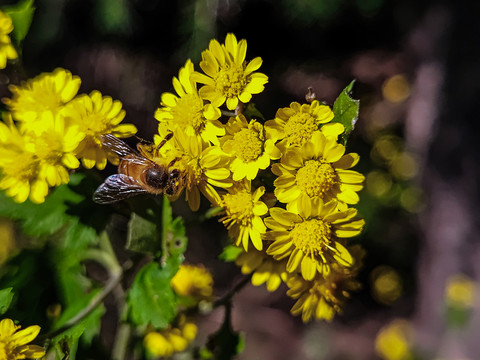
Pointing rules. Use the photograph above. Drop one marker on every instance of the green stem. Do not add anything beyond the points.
(106, 257)
(112, 283)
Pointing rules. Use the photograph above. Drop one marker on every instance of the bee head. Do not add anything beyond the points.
(173, 183)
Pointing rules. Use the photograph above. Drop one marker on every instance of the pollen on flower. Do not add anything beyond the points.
(296, 124)
(248, 144)
(239, 206)
(230, 81)
(189, 111)
(48, 147)
(312, 236)
(299, 128)
(316, 177)
(195, 173)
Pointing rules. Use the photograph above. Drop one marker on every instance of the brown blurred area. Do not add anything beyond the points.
(417, 72)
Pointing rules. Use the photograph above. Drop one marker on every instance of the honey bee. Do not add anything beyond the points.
(137, 174)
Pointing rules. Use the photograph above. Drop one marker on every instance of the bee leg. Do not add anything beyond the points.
(165, 139)
(171, 163)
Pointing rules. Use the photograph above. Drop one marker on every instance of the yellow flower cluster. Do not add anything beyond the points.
(169, 341)
(210, 154)
(226, 156)
(49, 130)
(194, 282)
(14, 342)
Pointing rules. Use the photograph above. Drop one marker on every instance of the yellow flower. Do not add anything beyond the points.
(312, 238)
(33, 160)
(97, 115)
(13, 342)
(203, 167)
(460, 291)
(249, 145)
(323, 297)
(394, 341)
(295, 125)
(19, 166)
(188, 112)
(318, 169)
(228, 76)
(43, 95)
(7, 51)
(265, 269)
(172, 340)
(243, 214)
(193, 281)
(55, 148)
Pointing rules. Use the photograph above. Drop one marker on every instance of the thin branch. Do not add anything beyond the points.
(225, 299)
(124, 330)
(112, 283)
(228, 113)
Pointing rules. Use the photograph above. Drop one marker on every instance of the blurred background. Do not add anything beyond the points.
(417, 71)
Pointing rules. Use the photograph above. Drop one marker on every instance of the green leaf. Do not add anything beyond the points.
(174, 239)
(151, 299)
(22, 15)
(42, 219)
(251, 112)
(6, 297)
(88, 327)
(177, 239)
(143, 235)
(230, 253)
(345, 110)
(30, 275)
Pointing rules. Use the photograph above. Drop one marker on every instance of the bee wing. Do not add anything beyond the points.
(118, 146)
(117, 187)
(125, 152)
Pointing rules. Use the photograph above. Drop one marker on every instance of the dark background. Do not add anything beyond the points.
(424, 226)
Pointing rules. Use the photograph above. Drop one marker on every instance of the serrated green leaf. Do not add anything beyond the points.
(42, 219)
(230, 253)
(143, 235)
(151, 299)
(22, 15)
(346, 109)
(6, 297)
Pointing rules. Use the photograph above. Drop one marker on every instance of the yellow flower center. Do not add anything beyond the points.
(39, 98)
(230, 81)
(189, 112)
(239, 207)
(299, 128)
(49, 147)
(23, 167)
(248, 145)
(95, 125)
(195, 173)
(316, 177)
(312, 237)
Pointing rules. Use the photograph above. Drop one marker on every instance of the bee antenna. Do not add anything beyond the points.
(141, 139)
